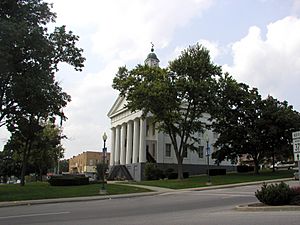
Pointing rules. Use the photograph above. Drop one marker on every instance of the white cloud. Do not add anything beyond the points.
(117, 32)
(272, 63)
(124, 29)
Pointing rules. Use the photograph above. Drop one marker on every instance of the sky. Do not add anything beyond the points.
(256, 41)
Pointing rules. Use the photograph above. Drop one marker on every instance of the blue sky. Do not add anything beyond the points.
(257, 41)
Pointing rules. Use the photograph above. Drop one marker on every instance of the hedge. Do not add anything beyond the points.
(216, 172)
(68, 180)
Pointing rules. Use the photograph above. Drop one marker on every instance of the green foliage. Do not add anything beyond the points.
(29, 58)
(68, 180)
(64, 165)
(176, 97)
(274, 194)
(250, 125)
(45, 150)
(244, 169)
(152, 172)
(101, 170)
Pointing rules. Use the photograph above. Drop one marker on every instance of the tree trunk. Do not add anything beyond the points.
(179, 170)
(273, 161)
(23, 171)
(256, 166)
(24, 162)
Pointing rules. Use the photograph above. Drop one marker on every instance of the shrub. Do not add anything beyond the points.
(173, 176)
(274, 194)
(295, 195)
(216, 172)
(168, 172)
(186, 175)
(152, 172)
(101, 170)
(68, 180)
(244, 169)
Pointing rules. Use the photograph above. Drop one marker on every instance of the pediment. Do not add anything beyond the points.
(118, 107)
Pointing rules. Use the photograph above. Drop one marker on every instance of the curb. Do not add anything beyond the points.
(77, 199)
(235, 185)
(259, 207)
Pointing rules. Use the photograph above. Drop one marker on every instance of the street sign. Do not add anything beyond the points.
(296, 135)
(296, 146)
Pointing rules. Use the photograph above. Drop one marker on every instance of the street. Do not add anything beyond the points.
(215, 207)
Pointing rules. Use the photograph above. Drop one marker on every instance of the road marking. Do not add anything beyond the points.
(32, 215)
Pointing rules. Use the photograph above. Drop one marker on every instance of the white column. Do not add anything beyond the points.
(117, 146)
(142, 148)
(129, 143)
(136, 135)
(123, 151)
(112, 150)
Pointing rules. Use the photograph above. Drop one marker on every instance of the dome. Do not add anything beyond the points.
(152, 59)
(152, 55)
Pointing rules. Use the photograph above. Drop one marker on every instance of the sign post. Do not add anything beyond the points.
(296, 147)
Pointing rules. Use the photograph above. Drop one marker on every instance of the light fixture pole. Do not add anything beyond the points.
(103, 190)
(207, 155)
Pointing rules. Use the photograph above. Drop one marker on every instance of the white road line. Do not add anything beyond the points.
(32, 215)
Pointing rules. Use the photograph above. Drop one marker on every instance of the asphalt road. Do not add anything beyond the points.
(184, 208)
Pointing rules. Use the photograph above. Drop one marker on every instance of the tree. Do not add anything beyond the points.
(44, 152)
(64, 165)
(277, 122)
(250, 125)
(47, 149)
(235, 117)
(9, 165)
(29, 58)
(175, 98)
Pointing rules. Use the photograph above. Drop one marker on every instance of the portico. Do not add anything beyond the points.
(128, 142)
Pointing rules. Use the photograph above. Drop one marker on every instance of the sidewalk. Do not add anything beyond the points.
(152, 191)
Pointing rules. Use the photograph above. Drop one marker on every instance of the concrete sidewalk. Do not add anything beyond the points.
(152, 191)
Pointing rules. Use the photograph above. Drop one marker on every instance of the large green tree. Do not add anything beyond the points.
(46, 149)
(29, 58)
(277, 122)
(249, 125)
(235, 116)
(175, 98)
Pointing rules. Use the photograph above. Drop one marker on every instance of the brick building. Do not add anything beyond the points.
(85, 163)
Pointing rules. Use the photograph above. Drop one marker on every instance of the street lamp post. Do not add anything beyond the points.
(103, 190)
(207, 155)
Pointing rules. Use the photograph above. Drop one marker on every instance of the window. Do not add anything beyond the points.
(168, 150)
(185, 152)
(91, 162)
(200, 153)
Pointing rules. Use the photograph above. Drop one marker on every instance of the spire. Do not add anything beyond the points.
(152, 59)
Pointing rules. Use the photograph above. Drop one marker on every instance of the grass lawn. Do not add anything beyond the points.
(42, 190)
(230, 178)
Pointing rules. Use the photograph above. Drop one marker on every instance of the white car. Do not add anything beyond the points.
(281, 165)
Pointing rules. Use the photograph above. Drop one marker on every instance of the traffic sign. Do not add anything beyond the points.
(296, 135)
(296, 144)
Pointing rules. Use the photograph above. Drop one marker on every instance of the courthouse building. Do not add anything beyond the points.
(135, 141)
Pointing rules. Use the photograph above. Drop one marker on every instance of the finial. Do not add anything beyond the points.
(152, 47)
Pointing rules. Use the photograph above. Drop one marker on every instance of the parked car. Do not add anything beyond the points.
(283, 165)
